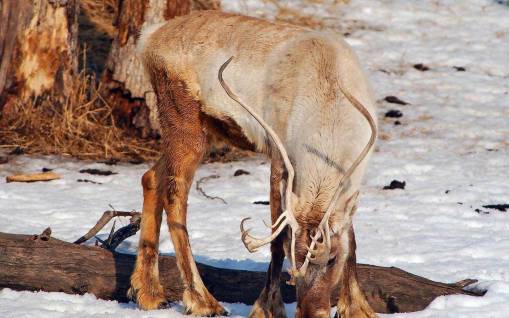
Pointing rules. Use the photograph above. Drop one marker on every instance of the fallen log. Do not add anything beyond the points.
(33, 263)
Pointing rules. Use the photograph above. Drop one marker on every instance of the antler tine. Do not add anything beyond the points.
(290, 218)
(319, 253)
(252, 243)
(276, 223)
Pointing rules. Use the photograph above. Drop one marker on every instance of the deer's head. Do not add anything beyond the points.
(316, 240)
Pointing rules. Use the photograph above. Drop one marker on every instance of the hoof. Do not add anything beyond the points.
(148, 300)
(202, 305)
(356, 313)
(164, 305)
(268, 305)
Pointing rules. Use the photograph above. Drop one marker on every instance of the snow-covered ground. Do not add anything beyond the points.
(452, 149)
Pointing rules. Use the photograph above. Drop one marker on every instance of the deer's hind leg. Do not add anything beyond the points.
(197, 299)
(184, 138)
(146, 289)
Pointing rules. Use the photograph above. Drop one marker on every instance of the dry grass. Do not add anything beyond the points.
(298, 17)
(81, 126)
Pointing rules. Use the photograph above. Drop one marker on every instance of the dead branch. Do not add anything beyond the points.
(105, 218)
(200, 189)
(117, 237)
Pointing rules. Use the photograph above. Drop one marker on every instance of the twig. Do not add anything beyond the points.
(105, 218)
(123, 233)
(200, 189)
(108, 241)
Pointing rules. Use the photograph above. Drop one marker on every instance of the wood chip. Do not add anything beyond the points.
(34, 177)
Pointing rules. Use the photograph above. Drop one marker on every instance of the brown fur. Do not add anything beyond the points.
(228, 130)
(184, 133)
(176, 8)
(145, 286)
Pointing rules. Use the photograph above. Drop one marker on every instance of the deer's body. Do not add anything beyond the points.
(290, 77)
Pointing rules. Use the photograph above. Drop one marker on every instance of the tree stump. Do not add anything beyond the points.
(38, 43)
(42, 263)
(124, 82)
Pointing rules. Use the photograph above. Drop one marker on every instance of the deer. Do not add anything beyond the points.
(297, 95)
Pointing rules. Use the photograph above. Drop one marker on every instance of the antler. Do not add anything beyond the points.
(320, 254)
(287, 217)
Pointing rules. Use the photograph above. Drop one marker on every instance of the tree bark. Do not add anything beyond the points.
(38, 47)
(124, 81)
(40, 263)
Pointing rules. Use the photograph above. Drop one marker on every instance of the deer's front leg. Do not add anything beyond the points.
(352, 302)
(146, 289)
(270, 303)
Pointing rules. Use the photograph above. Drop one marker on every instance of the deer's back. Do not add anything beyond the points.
(286, 73)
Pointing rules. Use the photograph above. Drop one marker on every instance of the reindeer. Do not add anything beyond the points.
(306, 104)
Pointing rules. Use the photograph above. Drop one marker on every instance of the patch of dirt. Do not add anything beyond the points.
(241, 172)
(395, 184)
(421, 67)
(395, 100)
(394, 113)
(500, 207)
(97, 172)
(88, 181)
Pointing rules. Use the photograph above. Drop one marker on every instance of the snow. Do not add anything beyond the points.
(56, 305)
(452, 149)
